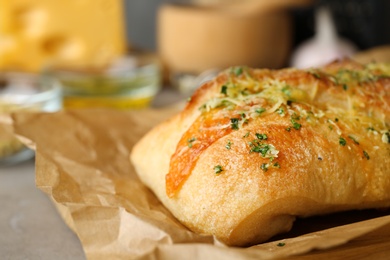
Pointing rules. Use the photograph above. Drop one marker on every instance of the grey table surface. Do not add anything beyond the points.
(30, 225)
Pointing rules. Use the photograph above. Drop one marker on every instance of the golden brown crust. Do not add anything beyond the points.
(306, 143)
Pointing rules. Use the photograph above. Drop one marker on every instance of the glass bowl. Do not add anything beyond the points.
(129, 82)
(22, 92)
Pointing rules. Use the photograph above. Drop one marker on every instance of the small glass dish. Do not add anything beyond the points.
(22, 92)
(128, 82)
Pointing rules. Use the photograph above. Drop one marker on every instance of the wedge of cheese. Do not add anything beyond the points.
(37, 33)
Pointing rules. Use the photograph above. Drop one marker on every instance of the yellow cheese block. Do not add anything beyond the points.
(37, 33)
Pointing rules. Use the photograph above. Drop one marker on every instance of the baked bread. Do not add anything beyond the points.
(255, 148)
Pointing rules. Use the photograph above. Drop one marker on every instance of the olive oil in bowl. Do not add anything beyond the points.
(131, 82)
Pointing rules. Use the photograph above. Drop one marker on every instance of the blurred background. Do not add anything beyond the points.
(364, 22)
(96, 51)
(259, 33)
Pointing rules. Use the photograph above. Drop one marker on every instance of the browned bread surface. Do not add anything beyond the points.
(254, 148)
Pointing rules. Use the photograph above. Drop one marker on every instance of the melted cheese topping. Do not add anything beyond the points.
(344, 98)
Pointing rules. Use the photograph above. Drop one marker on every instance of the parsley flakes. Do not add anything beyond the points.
(260, 110)
(228, 145)
(261, 136)
(342, 141)
(224, 90)
(265, 166)
(260, 148)
(218, 169)
(296, 125)
(280, 111)
(190, 142)
(294, 122)
(353, 139)
(238, 71)
(234, 123)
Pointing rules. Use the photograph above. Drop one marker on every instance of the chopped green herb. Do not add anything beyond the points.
(286, 90)
(261, 136)
(226, 103)
(345, 87)
(386, 137)
(294, 123)
(203, 107)
(260, 148)
(276, 165)
(316, 75)
(190, 141)
(234, 123)
(228, 145)
(264, 167)
(342, 141)
(246, 135)
(330, 127)
(224, 90)
(238, 71)
(280, 111)
(370, 128)
(288, 129)
(366, 155)
(260, 110)
(218, 169)
(336, 119)
(353, 139)
(245, 92)
(281, 244)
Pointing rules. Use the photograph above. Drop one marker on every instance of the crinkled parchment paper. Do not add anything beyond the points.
(82, 164)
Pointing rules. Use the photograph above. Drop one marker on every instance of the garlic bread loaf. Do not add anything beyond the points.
(255, 148)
